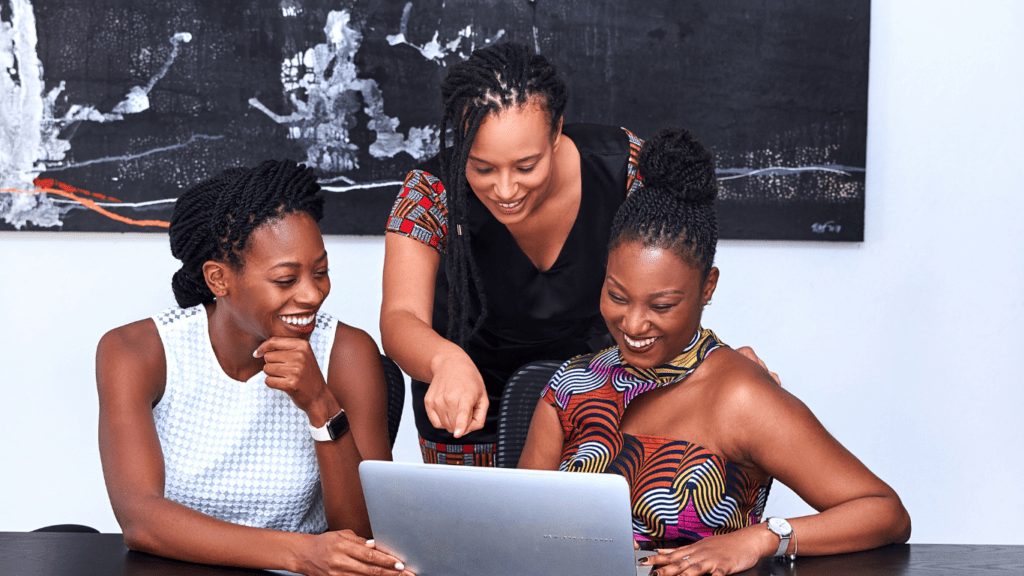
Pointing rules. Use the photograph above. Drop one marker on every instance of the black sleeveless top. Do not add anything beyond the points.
(532, 314)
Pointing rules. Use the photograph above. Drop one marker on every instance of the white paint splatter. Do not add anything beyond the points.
(436, 50)
(30, 135)
(324, 87)
(290, 9)
(30, 141)
(137, 99)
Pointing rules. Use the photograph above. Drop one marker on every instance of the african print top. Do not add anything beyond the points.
(532, 314)
(680, 492)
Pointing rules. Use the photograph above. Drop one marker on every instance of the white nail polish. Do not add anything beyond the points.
(399, 566)
(254, 353)
(457, 431)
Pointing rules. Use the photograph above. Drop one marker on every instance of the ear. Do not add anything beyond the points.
(218, 276)
(709, 286)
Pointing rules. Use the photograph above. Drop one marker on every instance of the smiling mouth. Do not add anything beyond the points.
(640, 344)
(511, 206)
(300, 321)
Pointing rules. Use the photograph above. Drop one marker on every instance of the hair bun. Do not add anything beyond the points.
(676, 161)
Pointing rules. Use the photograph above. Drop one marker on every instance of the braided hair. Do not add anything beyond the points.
(675, 209)
(492, 80)
(213, 219)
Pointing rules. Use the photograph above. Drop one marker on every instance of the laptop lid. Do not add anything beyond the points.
(452, 520)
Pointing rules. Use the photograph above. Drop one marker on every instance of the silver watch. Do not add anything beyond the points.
(782, 529)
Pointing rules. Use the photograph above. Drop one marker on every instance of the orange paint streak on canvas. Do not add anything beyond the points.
(87, 202)
(50, 183)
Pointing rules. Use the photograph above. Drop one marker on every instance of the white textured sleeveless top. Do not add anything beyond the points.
(237, 451)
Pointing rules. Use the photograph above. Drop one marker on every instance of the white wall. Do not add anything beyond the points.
(908, 346)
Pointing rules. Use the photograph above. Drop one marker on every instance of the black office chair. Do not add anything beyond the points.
(396, 395)
(68, 528)
(518, 402)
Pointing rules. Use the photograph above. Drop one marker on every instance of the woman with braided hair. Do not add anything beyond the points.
(698, 430)
(231, 427)
(495, 251)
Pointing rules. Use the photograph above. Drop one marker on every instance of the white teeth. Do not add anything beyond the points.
(298, 321)
(639, 343)
(510, 206)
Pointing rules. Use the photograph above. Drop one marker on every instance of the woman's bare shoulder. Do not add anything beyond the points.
(741, 386)
(349, 340)
(131, 355)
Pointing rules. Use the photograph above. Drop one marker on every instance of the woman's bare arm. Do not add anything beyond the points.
(761, 424)
(130, 376)
(356, 380)
(457, 399)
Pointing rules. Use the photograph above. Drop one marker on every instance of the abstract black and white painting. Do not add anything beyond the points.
(110, 109)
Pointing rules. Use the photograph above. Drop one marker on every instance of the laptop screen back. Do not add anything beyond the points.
(452, 520)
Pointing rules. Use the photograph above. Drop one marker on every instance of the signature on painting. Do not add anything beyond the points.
(822, 228)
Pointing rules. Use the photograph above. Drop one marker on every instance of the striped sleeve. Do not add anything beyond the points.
(633, 180)
(421, 210)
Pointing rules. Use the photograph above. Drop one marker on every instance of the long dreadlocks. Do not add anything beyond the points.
(493, 79)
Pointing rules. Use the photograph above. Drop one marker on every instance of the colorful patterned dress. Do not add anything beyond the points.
(533, 314)
(680, 492)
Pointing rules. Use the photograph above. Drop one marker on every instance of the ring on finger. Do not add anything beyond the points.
(688, 563)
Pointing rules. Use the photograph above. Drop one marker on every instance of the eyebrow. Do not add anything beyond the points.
(296, 264)
(656, 294)
(526, 159)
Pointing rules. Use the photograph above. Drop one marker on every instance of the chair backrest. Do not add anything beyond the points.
(396, 395)
(518, 402)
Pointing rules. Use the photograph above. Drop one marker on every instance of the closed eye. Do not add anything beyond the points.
(616, 298)
(526, 168)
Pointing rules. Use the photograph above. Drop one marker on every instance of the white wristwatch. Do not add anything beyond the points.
(782, 529)
(333, 429)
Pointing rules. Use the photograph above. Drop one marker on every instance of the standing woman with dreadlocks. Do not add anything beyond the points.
(698, 430)
(231, 427)
(495, 251)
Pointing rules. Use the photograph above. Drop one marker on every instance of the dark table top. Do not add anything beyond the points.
(60, 554)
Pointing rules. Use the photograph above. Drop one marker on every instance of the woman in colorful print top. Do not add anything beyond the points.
(698, 430)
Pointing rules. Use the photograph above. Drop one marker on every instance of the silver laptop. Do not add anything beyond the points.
(452, 520)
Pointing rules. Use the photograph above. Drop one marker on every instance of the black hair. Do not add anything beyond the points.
(493, 79)
(213, 219)
(675, 208)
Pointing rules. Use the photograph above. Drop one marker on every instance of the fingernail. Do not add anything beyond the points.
(370, 542)
(642, 561)
(254, 353)
(654, 573)
(399, 566)
(457, 432)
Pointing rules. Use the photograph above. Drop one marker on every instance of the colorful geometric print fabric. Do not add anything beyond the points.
(421, 209)
(585, 373)
(680, 492)
(458, 454)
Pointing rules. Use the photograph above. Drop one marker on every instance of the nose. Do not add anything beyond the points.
(310, 293)
(635, 321)
(505, 187)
